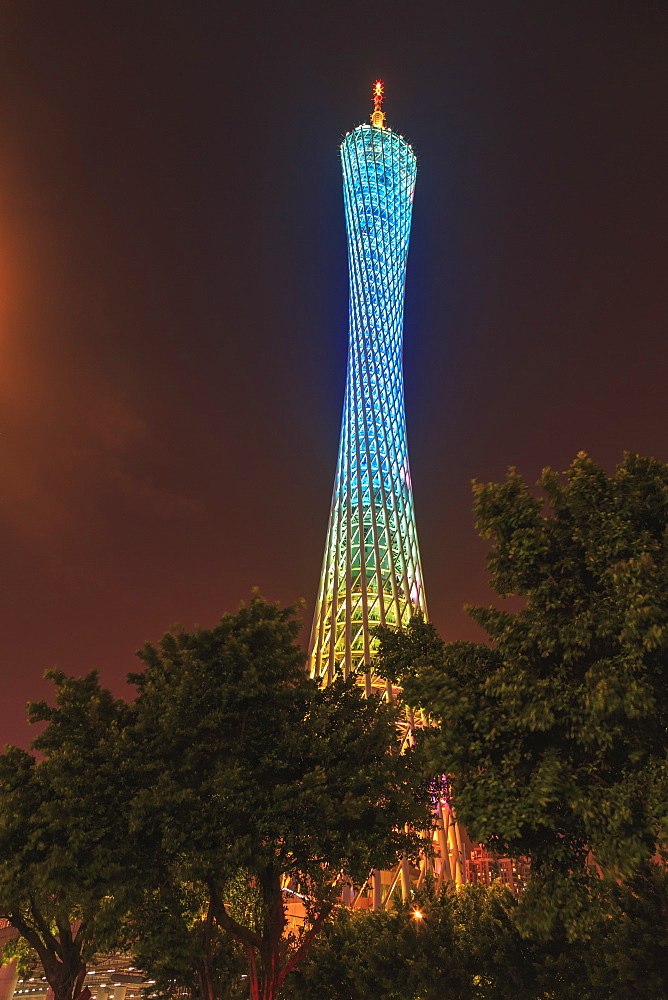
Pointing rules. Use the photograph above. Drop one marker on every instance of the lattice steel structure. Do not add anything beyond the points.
(371, 571)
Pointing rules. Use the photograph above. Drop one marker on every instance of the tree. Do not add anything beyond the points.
(61, 851)
(555, 734)
(466, 946)
(627, 952)
(458, 944)
(174, 939)
(254, 776)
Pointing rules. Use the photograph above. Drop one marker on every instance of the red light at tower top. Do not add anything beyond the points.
(378, 117)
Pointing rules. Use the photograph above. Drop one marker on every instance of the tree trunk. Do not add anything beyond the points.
(65, 981)
(205, 980)
(276, 965)
(253, 978)
(205, 964)
(273, 920)
(64, 968)
(266, 976)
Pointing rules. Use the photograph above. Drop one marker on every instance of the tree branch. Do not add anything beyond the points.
(233, 927)
(47, 958)
(307, 940)
(50, 941)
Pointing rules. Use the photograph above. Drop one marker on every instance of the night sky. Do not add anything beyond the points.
(173, 292)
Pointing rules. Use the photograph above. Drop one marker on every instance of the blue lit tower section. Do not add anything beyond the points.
(371, 571)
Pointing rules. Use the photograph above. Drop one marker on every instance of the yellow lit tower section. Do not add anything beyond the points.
(371, 571)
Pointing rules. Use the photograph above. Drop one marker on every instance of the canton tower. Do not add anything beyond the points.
(371, 571)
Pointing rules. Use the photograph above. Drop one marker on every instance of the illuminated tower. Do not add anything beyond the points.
(371, 571)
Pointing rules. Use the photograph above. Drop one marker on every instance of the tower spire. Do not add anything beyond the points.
(378, 116)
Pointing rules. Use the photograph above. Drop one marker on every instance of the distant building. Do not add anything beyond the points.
(110, 977)
(483, 868)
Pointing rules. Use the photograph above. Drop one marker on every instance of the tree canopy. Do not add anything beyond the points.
(65, 866)
(459, 944)
(250, 775)
(179, 825)
(463, 944)
(555, 732)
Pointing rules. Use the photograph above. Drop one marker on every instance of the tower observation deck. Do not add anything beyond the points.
(371, 571)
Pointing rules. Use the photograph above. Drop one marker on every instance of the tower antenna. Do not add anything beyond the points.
(378, 116)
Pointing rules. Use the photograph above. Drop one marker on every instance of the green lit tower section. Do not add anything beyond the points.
(371, 570)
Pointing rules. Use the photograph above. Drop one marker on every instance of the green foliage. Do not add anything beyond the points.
(629, 943)
(173, 939)
(16, 948)
(555, 734)
(464, 947)
(250, 776)
(249, 764)
(60, 851)
(171, 826)
(468, 947)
